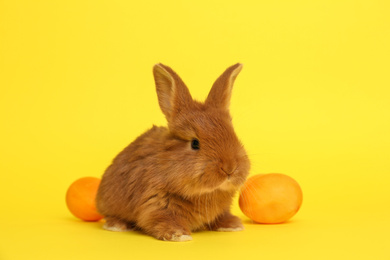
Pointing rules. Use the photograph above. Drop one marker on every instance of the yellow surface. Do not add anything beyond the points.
(312, 102)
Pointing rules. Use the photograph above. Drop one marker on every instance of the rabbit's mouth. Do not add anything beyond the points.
(232, 182)
(212, 177)
(228, 185)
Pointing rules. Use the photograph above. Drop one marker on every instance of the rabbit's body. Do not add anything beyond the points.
(181, 178)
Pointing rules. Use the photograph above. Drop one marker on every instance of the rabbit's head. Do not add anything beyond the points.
(203, 143)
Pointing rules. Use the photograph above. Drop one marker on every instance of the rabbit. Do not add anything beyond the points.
(178, 179)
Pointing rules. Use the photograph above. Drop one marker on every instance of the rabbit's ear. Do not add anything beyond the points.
(221, 91)
(173, 95)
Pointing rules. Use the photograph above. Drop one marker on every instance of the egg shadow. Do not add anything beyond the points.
(254, 223)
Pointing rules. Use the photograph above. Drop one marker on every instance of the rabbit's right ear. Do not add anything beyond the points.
(221, 91)
(173, 95)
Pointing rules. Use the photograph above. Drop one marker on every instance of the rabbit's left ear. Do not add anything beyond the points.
(221, 91)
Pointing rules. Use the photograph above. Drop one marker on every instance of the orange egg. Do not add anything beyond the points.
(270, 198)
(80, 198)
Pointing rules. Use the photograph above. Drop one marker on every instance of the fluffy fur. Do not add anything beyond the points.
(162, 186)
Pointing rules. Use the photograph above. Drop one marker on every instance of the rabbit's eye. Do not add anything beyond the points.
(195, 144)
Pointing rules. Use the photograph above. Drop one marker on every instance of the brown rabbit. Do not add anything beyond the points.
(181, 178)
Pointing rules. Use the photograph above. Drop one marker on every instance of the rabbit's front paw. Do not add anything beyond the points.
(166, 226)
(228, 223)
(176, 237)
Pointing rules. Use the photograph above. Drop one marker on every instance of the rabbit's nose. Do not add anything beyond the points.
(228, 170)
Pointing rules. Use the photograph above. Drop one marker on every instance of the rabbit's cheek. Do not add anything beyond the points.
(211, 183)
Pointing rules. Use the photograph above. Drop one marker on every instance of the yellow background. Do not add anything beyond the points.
(313, 102)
